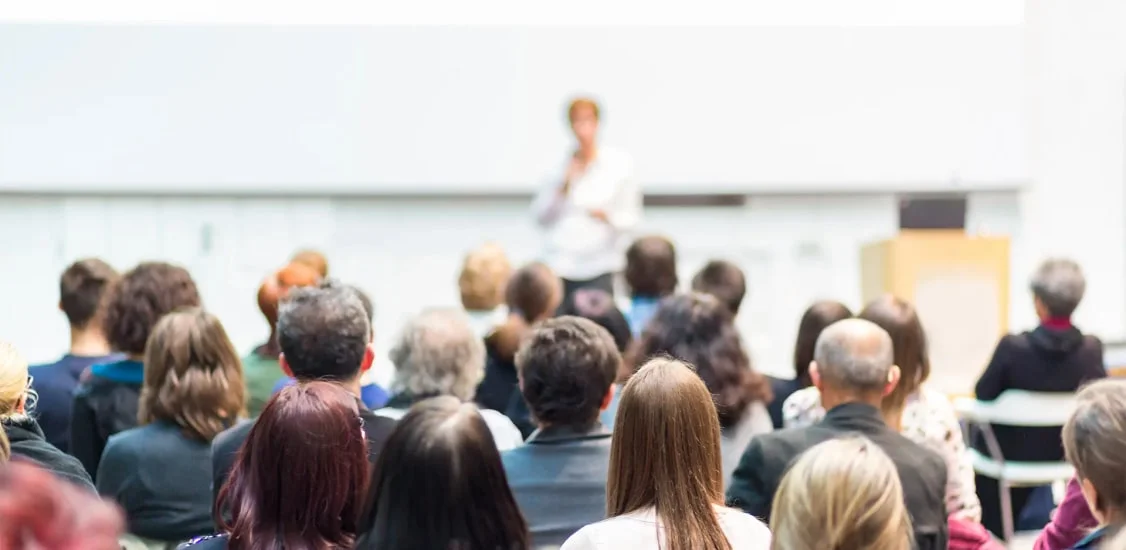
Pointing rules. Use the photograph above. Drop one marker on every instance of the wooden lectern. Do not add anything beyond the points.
(959, 285)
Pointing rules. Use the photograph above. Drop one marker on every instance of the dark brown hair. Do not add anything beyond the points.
(725, 281)
(144, 295)
(532, 293)
(651, 267)
(816, 318)
(909, 348)
(581, 103)
(81, 289)
(439, 483)
(665, 453)
(193, 376)
(698, 329)
(299, 480)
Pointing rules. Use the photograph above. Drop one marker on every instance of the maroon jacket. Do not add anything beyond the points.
(965, 535)
(1071, 522)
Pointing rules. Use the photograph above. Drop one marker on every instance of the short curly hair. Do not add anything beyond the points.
(140, 298)
(699, 329)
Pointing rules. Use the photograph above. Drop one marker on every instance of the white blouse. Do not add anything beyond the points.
(642, 530)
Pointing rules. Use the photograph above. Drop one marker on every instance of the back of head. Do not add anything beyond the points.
(725, 281)
(439, 483)
(300, 479)
(698, 329)
(140, 298)
(816, 318)
(854, 356)
(566, 367)
(313, 259)
(277, 286)
(1094, 440)
(323, 332)
(533, 293)
(666, 453)
(484, 274)
(1059, 285)
(13, 381)
(38, 510)
(598, 306)
(909, 347)
(193, 376)
(438, 353)
(82, 288)
(842, 494)
(651, 267)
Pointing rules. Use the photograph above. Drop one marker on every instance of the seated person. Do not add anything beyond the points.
(439, 354)
(725, 281)
(651, 275)
(1094, 440)
(1054, 357)
(567, 368)
(81, 289)
(853, 370)
(816, 318)
(481, 284)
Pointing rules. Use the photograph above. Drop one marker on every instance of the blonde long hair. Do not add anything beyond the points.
(841, 494)
(666, 454)
(13, 381)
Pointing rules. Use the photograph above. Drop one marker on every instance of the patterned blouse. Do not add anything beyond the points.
(929, 420)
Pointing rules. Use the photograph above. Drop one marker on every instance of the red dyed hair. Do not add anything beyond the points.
(300, 478)
(38, 510)
(276, 286)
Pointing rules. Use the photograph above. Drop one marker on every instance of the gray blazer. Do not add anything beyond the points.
(559, 480)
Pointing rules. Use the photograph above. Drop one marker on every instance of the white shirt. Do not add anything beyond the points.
(505, 434)
(578, 246)
(639, 531)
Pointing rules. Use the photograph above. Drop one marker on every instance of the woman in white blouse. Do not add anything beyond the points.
(588, 215)
(925, 416)
(665, 487)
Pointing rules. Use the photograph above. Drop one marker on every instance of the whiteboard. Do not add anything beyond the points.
(212, 108)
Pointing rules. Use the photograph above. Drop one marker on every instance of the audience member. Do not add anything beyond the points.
(105, 402)
(698, 329)
(5, 448)
(81, 289)
(324, 333)
(816, 318)
(567, 368)
(725, 281)
(970, 535)
(371, 393)
(39, 512)
(481, 284)
(192, 391)
(598, 306)
(665, 486)
(1071, 521)
(1055, 357)
(1094, 441)
(439, 354)
(651, 275)
(440, 484)
(260, 367)
(533, 294)
(853, 370)
(841, 494)
(293, 487)
(25, 438)
(313, 259)
(924, 416)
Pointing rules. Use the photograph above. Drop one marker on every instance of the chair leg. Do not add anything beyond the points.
(1006, 510)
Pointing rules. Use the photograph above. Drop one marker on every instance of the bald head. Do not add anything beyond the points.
(854, 355)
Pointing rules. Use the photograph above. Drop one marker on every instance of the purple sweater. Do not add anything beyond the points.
(1072, 521)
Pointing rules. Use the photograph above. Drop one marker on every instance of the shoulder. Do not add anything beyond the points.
(505, 434)
(583, 539)
(130, 441)
(231, 439)
(743, 530)
(377, 427)
(802, 408)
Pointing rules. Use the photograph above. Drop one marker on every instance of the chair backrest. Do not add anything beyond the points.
(1020, 408)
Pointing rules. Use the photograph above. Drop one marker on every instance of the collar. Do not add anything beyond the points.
(562, 434)
(125, 371)
(405, 400)
(23, 429)
(858, 417)
(1057, 323)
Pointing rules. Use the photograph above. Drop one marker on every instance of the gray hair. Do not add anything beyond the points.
(438, 353)
(854, 354)
(324, 332)
(1059, 284)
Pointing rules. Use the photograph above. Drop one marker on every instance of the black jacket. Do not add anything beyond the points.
(1043, 360)
(499, 382)
(27, 441)
(105, 403)
(921, 471)
(781, 388)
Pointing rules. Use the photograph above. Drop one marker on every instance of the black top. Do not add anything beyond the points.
(105, 403)
(160, 477)
(782, 388)
(225, 447)
(1043, 360)
(55, 383)
(921, 471)
(27, 441)
(499, 382)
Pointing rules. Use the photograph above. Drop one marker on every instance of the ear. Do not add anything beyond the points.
(893, 380)
(369, 358)
(285, 366)
(815, 375)
(21, 405)
(607, 399)
(60, 305)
